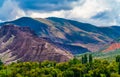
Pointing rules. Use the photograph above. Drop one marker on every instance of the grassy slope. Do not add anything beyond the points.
(110, 56)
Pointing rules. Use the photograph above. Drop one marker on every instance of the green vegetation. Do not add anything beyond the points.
(87, 58)
(109, 56)
(87, 66)
(118, 60)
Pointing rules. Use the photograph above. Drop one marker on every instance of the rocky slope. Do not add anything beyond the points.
(21, 43)
(112, 47)
(69, 32)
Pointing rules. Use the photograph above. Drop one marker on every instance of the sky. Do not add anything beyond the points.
(96, 12)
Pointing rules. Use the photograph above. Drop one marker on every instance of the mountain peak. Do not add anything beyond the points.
(25, 18)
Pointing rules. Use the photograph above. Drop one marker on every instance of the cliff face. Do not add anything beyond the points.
(112, 47)
(20, 43)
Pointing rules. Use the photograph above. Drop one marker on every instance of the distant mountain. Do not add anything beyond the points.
(85, 37)
(21, 43)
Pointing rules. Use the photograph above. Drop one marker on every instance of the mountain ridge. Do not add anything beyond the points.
(71, 32)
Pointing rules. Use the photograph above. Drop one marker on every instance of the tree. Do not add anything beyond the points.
(18, 75)
(119, 68)
(118, 60)
(62, 66)
(115, 75)
(90, 58)
(47, 63)
(84, 59)
(1, 63)
(74, 61)
(68, 73)
(78, 72)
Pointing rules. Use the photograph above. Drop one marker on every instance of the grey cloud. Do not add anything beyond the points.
(45, 5)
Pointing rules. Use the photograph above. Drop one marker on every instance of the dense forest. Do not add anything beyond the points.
(84, 67)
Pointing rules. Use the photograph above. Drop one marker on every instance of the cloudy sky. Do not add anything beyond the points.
(97, 12)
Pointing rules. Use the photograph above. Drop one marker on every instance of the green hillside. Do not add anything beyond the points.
(110, 56)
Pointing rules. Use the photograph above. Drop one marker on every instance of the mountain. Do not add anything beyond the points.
(85, 37)
(21, 43)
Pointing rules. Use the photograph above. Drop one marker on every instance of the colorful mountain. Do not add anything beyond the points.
(21, 43)
(85, 37)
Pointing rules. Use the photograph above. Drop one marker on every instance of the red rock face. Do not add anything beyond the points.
(112, 47)
(20, 43)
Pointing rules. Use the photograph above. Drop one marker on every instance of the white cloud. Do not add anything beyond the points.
(88, 9)
(49, 14)
(83, 11)
(10, 10)
(1, 21)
